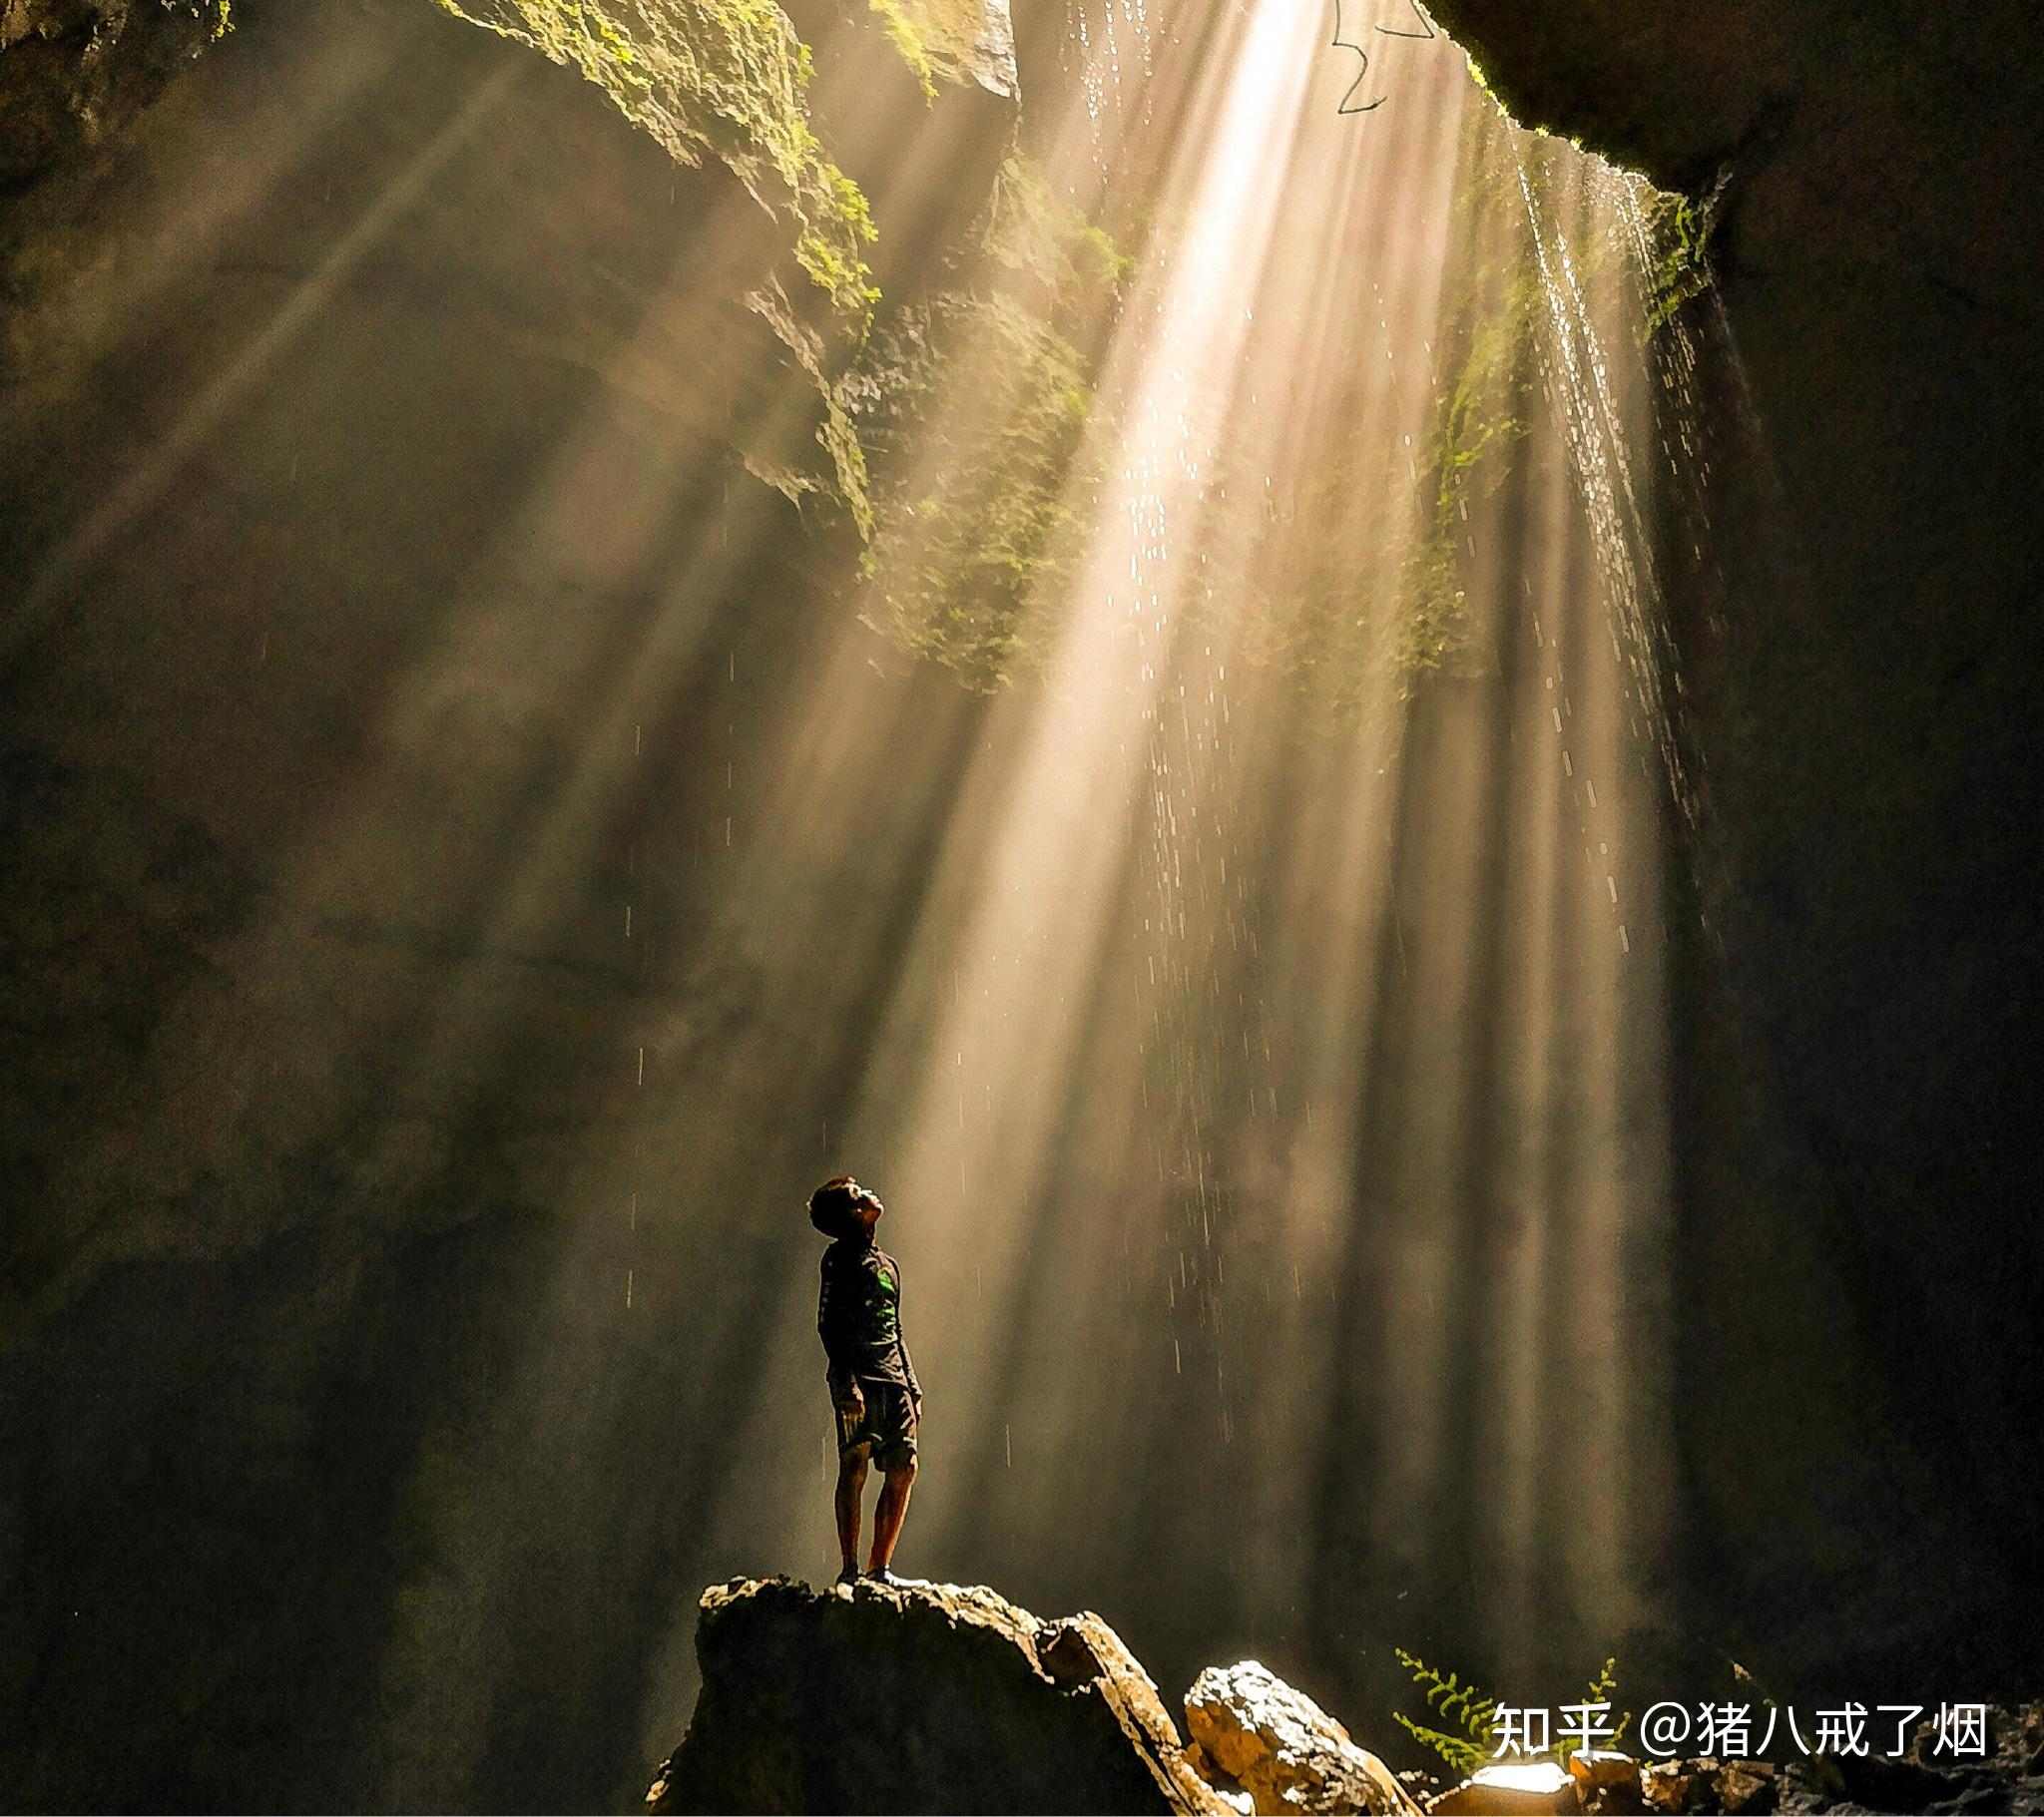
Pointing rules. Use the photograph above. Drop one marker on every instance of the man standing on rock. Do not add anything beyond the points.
(872, 1382)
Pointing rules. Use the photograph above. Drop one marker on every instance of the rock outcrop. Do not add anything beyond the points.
(1252, 1730)
(1861, 652)
(929, 1697)
(74, 72)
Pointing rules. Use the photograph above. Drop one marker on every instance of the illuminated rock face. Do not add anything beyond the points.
(1252, 1729)
(929, 1697)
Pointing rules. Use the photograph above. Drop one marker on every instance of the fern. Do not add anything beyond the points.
(1471, 1736)
(1599, 1690)
(1452, 1700)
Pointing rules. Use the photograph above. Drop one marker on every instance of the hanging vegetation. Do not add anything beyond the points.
(951, 40)
(726, 79)
(1679, 229)
(977, 405)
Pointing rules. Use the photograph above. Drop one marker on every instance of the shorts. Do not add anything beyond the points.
(889, 1425)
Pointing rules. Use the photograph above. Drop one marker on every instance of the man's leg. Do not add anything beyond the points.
(899, 1477)
(852, 1489)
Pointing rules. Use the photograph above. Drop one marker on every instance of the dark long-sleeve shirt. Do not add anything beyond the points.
(859, 1317)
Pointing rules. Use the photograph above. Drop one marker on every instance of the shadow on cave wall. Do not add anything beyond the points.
(278, 1273)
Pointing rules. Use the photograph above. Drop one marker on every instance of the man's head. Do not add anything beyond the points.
(843, 1207)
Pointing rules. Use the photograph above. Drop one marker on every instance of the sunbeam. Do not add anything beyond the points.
(1118, 664)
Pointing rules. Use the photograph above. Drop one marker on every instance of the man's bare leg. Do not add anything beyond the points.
(887, 1516)
(852, 1489)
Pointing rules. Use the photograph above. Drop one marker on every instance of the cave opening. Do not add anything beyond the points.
(1175, 640)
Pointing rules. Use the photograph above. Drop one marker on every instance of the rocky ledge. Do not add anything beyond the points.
(948, 1697)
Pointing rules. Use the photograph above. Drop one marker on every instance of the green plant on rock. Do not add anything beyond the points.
(1472, 1725)
(1479, 418)
(1471, 1735)
(1479, 414)
(974, 529)
(1679, 233)
(835, 434)
(221, 12)
(726, 79)
(935, 38)
(978, 405)
(1601, 1689)
(1046, 247)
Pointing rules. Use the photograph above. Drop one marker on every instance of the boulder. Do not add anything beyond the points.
(927, 1698)
(1250, 1730)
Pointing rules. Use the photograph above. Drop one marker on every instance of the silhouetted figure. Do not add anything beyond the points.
(872, 1382)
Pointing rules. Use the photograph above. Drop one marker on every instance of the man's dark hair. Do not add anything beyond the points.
(830, 1207)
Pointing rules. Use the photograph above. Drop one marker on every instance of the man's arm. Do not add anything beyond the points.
(844, 1389)
(907, 1368)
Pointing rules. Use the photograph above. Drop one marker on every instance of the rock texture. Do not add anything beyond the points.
(74, 72)
(932, 1698)
(1252, 1730)
(1607, 1782)
(367, 409)
(1862, 650)
(1710, 1785)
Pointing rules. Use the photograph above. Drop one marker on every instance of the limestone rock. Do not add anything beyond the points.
(992, 64)
(1742, 1786)
(72, 71)
(1252, 1729)
(928, 1697)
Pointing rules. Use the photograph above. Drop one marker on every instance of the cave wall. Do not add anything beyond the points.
(321, 599)
(256, 476)
(1860, 655)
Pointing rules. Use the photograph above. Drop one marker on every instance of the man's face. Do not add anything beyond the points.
(866, 1207)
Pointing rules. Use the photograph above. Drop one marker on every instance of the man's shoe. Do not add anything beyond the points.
(849, 1575)
(890, 1581)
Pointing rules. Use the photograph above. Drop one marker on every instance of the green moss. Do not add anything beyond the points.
(1479, 414)
(1680, 229)
(1045, 244)
(937, 39)
(903, 34)
(1479, 418)
(835, 434)
(726, 79)
(219, 12)
(979, 404)
(990, 406)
